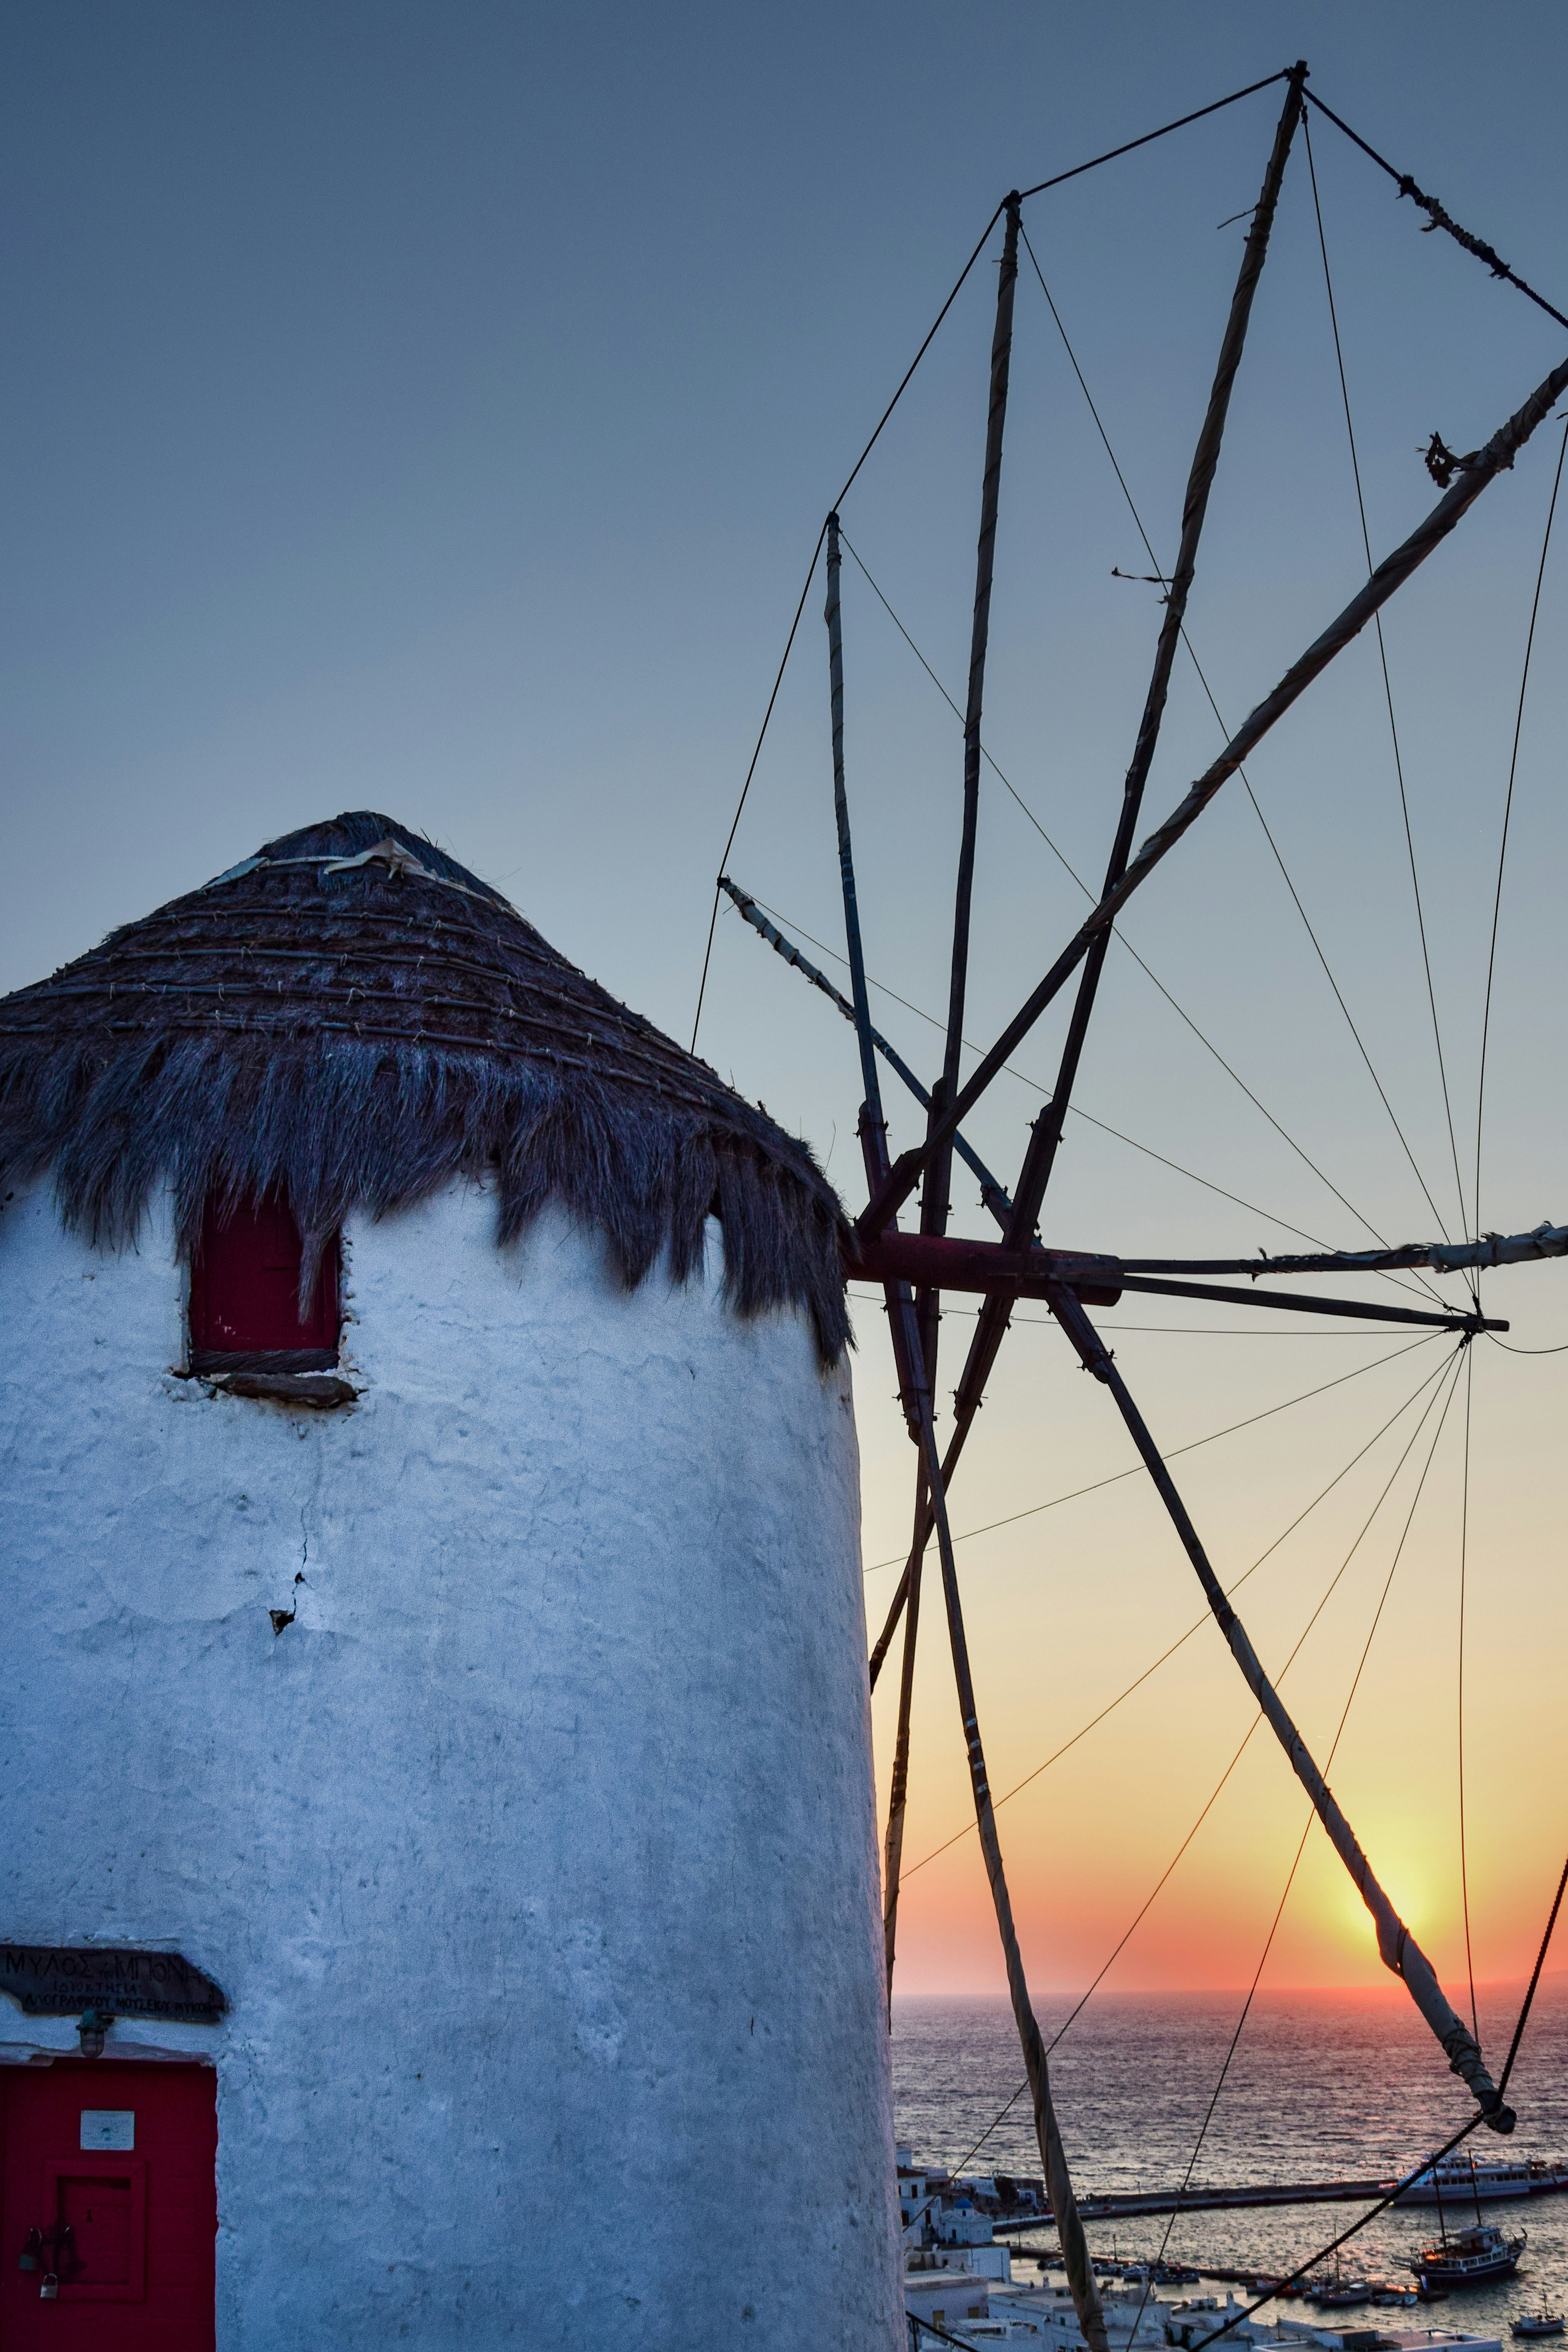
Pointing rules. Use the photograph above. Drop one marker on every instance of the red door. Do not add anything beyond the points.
(109, 2194)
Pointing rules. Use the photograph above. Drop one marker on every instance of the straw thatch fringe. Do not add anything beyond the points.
(115, 1082)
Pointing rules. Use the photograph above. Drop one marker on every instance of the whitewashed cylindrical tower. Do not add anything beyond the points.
(433, 1609)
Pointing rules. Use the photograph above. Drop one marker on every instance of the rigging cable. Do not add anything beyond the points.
(1090, 1121)
(1192, 1446)
(1428, 2163)
(1225, 2065)
(806, 591)
(1534, 1981)
(1073, 2015)
(1207, 1043)
(1437, 217)
(1382, 660)
(756, 755)
(1460, 1353)
(1289, 1882)
(1109, 156)
(1247, 783)
(1180, 124)
(1082, 2003)
(1502, 847)
(1199, 1622)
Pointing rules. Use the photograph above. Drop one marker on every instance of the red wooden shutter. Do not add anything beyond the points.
(245, 1293)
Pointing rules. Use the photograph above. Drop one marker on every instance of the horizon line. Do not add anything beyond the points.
(1201, 1992)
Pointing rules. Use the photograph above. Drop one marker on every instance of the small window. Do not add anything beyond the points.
(245, 1295)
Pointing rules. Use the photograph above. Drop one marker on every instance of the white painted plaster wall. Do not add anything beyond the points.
(536, 1855)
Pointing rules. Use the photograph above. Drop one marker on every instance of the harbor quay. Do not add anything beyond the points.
(968, 2278)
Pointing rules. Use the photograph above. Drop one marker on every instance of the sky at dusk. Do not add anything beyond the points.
(434, 410)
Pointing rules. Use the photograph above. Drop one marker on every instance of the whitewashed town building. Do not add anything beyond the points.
(435, 1736)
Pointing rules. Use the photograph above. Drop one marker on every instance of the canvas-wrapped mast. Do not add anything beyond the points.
(348, 1020)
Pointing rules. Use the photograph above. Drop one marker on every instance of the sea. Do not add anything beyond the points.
(1322, 2086)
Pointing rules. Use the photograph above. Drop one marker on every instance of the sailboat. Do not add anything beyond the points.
(1473, 2258)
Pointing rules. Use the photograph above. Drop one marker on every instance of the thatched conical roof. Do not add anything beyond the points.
(351, 1018)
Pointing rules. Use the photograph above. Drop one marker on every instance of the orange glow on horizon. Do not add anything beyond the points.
(1166, 1808)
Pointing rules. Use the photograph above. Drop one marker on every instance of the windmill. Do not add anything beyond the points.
(915, 1268)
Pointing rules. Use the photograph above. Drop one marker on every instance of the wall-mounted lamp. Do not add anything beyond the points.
(94, 2024)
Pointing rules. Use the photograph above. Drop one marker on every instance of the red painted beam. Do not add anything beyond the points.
(937, 1262)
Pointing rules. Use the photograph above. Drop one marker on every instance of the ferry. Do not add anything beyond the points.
(1469, 2258)
(1461, 2178)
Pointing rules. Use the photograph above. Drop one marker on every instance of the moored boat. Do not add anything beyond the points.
(1344, 2296)
(1539, 2323)
(1459, 2179)
(1469, 2259)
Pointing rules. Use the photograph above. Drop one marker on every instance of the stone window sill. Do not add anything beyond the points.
(278, 1382)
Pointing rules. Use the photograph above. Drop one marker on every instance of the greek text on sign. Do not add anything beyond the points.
(61, 1981)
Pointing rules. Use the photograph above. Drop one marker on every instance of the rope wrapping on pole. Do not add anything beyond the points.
(1436, 217)
(1544, 1240)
